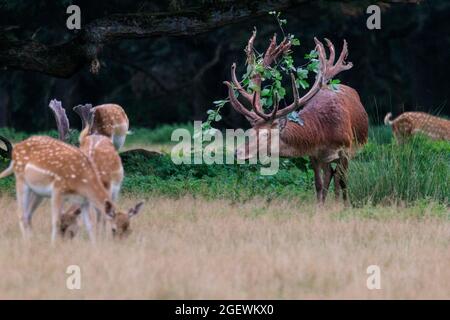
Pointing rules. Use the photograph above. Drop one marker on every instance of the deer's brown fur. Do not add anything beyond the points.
(106, 160)
(334, 121)
(46, 167)
(109, 120)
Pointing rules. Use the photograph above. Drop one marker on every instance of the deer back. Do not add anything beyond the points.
(332, 119)
(409, 123)
(72, 171)
(101, 151)
(109, 119)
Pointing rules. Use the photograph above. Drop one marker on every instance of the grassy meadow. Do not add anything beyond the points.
(225, 231)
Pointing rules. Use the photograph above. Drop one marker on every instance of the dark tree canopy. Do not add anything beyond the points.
(176, 68)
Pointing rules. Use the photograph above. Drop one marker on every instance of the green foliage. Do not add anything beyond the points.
(160, 134)
(159, 176)
(382, 172)
(272, 78)
(417, 170)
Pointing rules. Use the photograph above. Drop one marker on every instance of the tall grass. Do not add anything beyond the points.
(419, 169)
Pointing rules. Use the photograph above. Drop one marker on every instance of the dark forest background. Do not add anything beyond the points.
(164, 79)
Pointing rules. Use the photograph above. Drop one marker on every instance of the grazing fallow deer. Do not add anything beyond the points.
(100, 150)
(333, 122)
(109, 120)
(410, 123)
(45, 167)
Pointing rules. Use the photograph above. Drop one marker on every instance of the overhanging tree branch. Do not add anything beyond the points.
(65, 59)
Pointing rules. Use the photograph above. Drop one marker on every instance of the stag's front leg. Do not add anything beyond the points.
(328, 174)
(318, 180)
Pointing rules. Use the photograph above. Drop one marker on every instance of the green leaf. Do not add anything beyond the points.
(313, 54)
(253, 86)
(313, 66)
(334, 84)
(259, 68)
(295, 42)
(281, 92)
(303, 83)
(218, 118)
(265, 92)
(302, 73)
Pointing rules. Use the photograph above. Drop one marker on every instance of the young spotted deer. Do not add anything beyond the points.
(410, 123)
(333, 122)
(109, 120)
(46, 167)
(100, 150)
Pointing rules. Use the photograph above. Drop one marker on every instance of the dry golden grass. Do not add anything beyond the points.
(192, 249)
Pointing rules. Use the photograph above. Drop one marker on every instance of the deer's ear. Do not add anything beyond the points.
(134, 211)
(109, 210)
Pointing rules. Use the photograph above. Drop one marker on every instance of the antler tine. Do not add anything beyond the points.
(341, 64)
(276, 105)
(83, 111)
(6, 153)
(258, 110)
(293, 105)
(249, 48)
(331, 69)
(237, 85)
(274, 50)
(323, 67)
(251, 116)
(91, 121)
(62, 122)
(298, 102)
(330, 45)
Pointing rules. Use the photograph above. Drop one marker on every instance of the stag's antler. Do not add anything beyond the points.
(272, 53)
(84, 112)
(6, 153)
(62, 122)
(331, 69)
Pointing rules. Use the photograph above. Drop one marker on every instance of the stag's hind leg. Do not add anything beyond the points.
(341, 176)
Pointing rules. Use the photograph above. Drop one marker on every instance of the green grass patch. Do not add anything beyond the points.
(383, 172)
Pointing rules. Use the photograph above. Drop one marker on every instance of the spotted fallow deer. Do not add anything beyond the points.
(46, 167)
(333, 121)
(410, 123)
(100, 150)
(109, 120)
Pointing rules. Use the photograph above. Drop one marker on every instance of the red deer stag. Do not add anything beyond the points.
(334, 121)
(410, 123)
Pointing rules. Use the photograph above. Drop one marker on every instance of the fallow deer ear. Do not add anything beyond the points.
(109, 210)
(134, 211)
